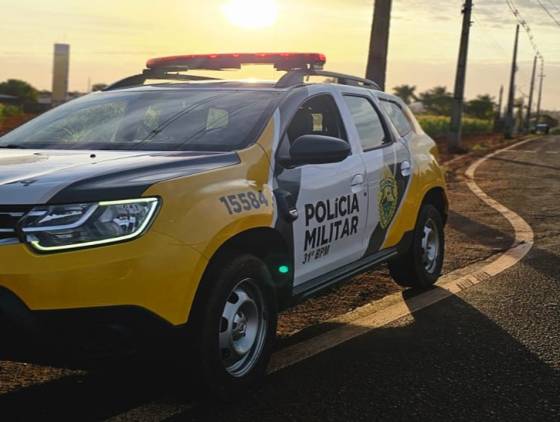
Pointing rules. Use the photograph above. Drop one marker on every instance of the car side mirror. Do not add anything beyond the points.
(318, 149)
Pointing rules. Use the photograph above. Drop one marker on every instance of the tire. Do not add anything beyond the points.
(234, 325)
(418, 267)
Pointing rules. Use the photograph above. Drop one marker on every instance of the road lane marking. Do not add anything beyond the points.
(394, 307)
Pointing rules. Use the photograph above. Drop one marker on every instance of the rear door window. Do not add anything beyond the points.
(397, 117)
(368, 122)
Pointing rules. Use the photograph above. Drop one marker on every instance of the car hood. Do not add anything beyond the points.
(57, 176)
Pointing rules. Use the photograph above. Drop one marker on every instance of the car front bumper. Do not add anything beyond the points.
(154, 273)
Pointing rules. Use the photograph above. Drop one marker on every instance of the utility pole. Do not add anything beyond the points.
(498, 116)
(459, 93)
(541, 76)
(379, 42)
(500, 102)
(530, 105)
(509, 119)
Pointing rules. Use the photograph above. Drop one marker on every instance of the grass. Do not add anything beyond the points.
(437, 126)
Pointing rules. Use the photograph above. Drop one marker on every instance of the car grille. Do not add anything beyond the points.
(9, 217)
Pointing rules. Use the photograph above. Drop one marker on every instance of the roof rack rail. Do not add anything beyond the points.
(297, 65)
(156, 75)
(297, 77)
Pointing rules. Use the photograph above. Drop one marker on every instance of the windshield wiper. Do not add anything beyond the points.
(12, 146)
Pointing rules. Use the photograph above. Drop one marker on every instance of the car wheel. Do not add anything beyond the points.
(235, 325)
(421, 265)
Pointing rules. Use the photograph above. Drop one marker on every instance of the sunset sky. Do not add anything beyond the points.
(113, 39)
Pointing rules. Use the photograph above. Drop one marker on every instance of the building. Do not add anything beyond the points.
(61, 69)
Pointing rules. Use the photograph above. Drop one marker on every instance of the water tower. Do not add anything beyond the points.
(60, 73)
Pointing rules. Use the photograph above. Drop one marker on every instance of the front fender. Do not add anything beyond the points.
(195, 209)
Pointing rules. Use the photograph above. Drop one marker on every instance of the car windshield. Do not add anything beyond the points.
(185, 119)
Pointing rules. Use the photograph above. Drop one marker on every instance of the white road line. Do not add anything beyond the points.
(394, 306)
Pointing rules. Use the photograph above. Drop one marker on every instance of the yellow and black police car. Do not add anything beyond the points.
(171, 200)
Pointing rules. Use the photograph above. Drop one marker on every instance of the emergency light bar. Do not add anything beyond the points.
(281, 61)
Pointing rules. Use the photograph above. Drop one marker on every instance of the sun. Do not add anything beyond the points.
(251, 14)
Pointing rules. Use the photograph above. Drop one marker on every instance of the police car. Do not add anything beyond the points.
(177, 202)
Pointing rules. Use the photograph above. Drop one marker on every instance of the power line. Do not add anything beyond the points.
(489, 37)
(555, 5)
(491, 41)
(548, 12)
(525, 25)
(527, 28)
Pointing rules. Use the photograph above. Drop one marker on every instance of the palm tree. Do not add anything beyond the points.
(407, 93)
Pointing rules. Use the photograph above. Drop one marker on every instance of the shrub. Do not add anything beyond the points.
(9, 111)
(437, 126)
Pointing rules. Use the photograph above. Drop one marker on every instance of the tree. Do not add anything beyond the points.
(437, 101)
(482, 107)
(20, 89)
(407, 93)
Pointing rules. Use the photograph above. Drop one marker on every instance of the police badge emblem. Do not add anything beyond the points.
(388, 196)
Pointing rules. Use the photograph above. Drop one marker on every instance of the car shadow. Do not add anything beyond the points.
(524, 163)
(96, 389)
(446, 362)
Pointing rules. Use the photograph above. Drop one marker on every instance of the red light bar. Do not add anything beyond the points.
(281, 61)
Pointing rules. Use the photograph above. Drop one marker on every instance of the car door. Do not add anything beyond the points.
(387, 162)
(329, 201)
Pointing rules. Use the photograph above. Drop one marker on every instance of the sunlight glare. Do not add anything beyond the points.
(251, 14)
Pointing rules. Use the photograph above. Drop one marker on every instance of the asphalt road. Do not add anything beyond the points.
(489, 353)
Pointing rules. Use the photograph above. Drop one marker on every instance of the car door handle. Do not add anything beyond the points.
(406, 168)
(358, 180)
(286, 205)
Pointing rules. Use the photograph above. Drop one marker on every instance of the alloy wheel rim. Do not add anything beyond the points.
(430, 246)
(242, 329)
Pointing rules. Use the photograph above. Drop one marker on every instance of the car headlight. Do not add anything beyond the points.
(60, 227)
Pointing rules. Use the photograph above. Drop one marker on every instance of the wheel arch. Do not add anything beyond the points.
(266, 244)
(438, 198)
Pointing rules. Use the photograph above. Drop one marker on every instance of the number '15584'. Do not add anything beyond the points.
(245, 201)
